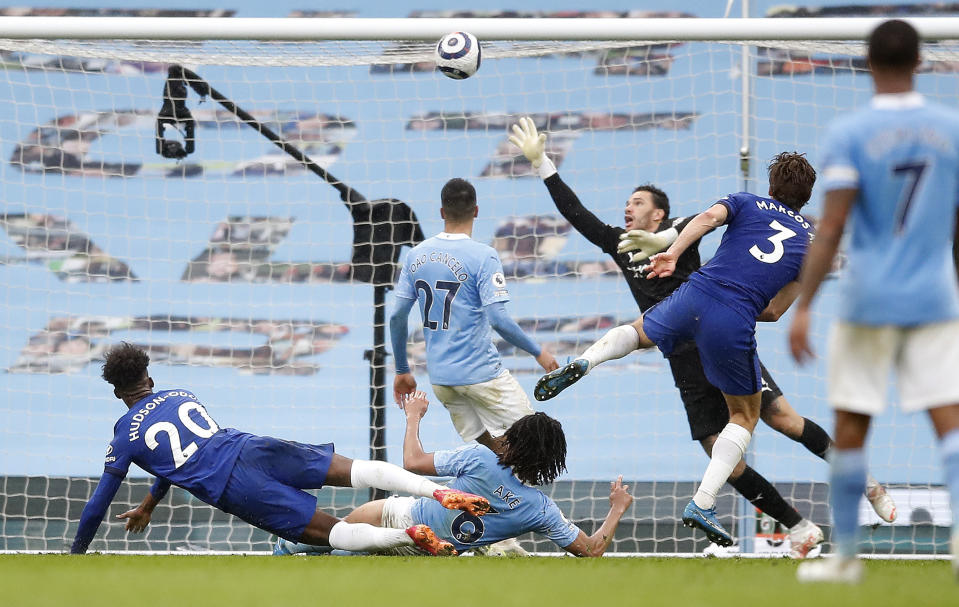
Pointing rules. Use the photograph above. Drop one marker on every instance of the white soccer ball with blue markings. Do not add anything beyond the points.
(458, 55)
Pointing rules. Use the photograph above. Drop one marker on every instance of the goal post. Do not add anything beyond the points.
(236, 266)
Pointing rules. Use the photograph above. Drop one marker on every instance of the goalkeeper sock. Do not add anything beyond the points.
(617, 343)
(814, 438)
(360, 537)
(761, 493)
(847, 481)
(366, 474)
(728, 449)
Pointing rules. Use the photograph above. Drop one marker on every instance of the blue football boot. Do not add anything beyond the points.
(694, 516)
(558, 380)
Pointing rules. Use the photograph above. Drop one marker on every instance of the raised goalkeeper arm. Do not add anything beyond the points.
(533, 146)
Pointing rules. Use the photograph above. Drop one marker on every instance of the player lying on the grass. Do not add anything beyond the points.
(753, 272)
(648, 230)
(533, 453)
(256, 478)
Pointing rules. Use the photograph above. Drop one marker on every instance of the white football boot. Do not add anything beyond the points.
(881, 502)
(804, 538)
(830, 570)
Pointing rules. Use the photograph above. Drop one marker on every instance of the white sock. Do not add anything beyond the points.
(727, 451)
(617, 343)
(367, 474)
(360, 537)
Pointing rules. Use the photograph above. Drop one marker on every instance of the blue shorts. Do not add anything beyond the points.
(266, 486)
(725, 339)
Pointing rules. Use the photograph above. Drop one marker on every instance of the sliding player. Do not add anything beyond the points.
(256, 478)
(533, 452)
(649, 230)
(891, 171)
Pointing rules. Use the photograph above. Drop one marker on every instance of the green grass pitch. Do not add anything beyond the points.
(108, 580)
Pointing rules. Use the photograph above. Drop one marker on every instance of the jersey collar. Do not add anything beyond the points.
(898, 101)
(448, 236)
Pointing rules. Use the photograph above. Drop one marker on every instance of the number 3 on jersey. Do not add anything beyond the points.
(782, 233)
(441, 285)
(180, 453)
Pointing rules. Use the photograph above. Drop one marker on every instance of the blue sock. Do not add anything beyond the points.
(950, 464)
(847, 481)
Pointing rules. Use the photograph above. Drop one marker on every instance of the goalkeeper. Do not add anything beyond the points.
(648, 230)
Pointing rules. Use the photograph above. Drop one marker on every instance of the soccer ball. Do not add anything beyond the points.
(458, 55)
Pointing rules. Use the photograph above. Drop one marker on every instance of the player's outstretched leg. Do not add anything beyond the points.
(558, 380)
(454, 499)
(617, 343)
(427, 541)
(705, 519)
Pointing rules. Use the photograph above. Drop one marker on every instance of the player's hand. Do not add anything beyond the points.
(619, 496)
(799, 337)
(661, 265)
(547, 361)
(137, 519)
(531, 143)
(403, 384)
(645, 243)
(415, 404)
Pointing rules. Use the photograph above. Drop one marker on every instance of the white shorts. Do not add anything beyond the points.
(924, 359)
(492, 406)
(398, 514)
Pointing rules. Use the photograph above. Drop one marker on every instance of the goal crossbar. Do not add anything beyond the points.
(288, 29)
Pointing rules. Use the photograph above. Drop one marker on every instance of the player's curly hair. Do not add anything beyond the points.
(894, 45)
(660, 199)
(535, 448)
(125, 365)
(459, 199)
(791, 178)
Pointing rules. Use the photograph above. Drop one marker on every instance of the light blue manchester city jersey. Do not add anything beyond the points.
(516, 508)
(453, 278)
(902, 155)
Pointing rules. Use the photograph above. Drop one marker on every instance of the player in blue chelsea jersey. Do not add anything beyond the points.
(755, 269)
(533, 452)
(891, 172)
(256, 478)
(462, 294)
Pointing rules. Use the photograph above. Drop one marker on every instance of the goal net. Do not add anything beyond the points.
(244, 274)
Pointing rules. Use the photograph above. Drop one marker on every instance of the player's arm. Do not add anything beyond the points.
(817, 265)
(404, 382)
(596, 544)
(533, 146)
(780, 303)
(138, 518)
(95, 510)
(504, 324)
(664, 264)
(415, 458)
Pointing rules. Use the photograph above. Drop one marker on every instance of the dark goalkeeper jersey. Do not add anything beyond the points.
(606, 237)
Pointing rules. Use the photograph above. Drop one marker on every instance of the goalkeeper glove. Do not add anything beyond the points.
(533, 146)
(645, 243)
